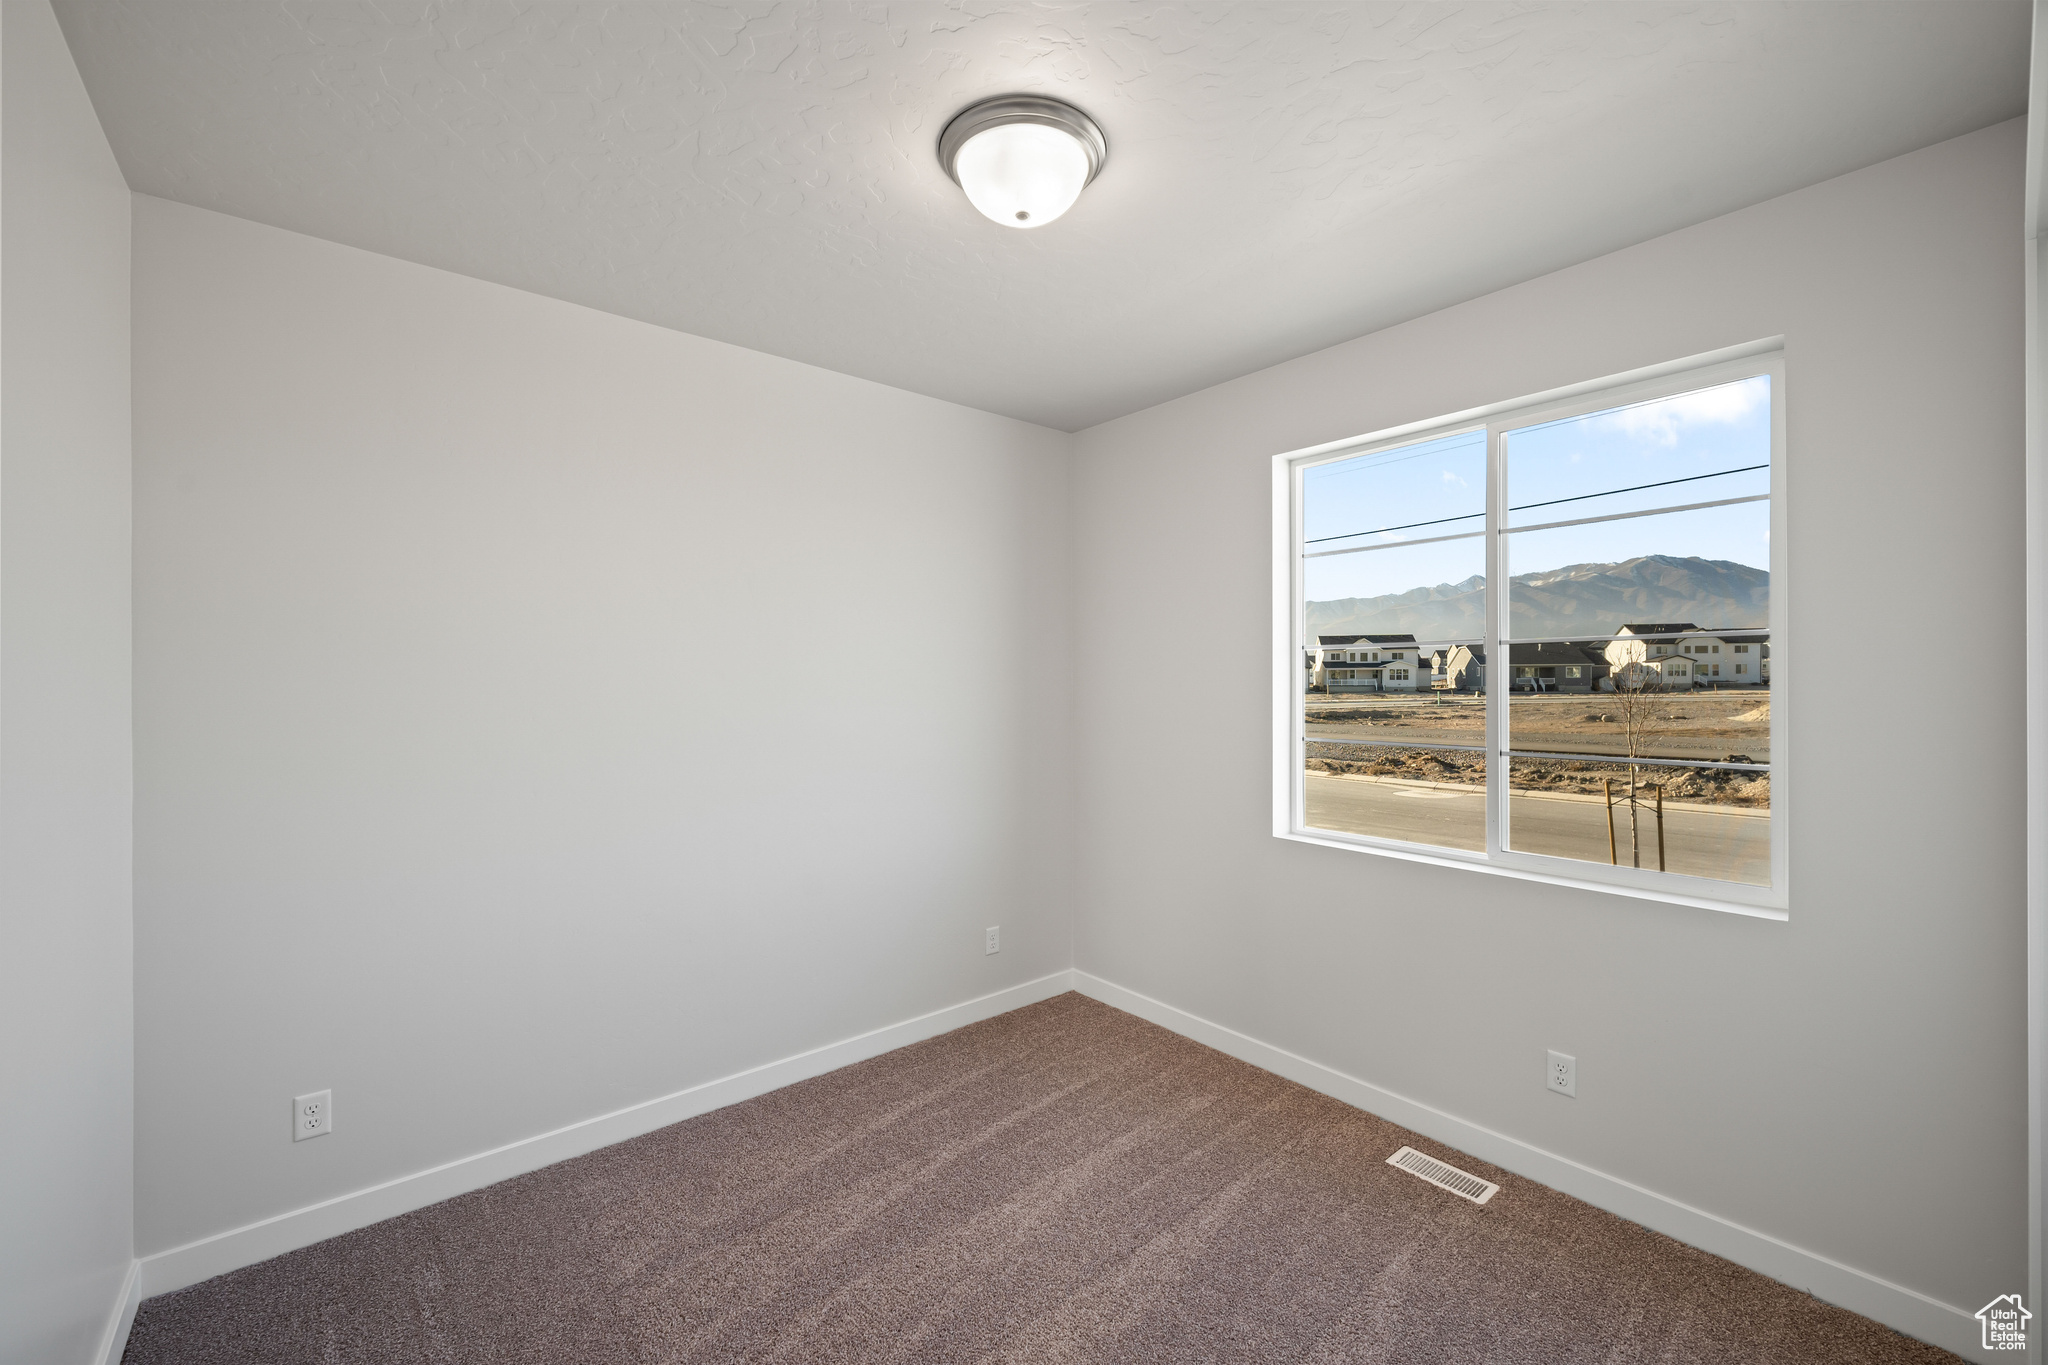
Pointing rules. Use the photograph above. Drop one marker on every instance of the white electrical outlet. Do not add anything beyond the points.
(995, 939)
(1562, 1075)
(313, 1115)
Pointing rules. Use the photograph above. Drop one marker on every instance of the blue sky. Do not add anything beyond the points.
(1704, 432)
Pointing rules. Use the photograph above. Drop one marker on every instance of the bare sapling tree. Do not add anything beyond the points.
(1638, 688)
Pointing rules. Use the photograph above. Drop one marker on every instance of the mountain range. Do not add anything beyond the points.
(1593, 599)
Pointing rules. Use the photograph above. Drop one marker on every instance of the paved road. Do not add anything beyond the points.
(1731, 845)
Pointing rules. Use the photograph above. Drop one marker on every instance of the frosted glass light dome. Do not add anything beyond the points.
(1022, 175)
(1023, 160)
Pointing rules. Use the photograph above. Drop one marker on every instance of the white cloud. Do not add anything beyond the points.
(1449, 477)
(1660, 421)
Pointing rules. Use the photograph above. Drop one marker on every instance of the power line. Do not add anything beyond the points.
(1529, 506)
(1384, 529)
(1640, 487)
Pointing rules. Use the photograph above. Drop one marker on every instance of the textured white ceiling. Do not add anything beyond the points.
(1280, 177)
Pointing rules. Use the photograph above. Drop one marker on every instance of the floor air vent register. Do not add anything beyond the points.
(1444, 1177)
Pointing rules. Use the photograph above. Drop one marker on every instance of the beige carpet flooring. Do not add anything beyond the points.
(1062, 1183)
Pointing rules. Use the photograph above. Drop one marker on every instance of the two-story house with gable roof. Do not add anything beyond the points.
(1727, 658)
(1651, 647)
(1687, 655)
(1368, 663)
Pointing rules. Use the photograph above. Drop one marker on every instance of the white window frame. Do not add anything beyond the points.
(1290, 638)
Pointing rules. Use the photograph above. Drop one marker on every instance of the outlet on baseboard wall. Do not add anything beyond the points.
(312, 1115)
(1562, 1074)
(992, 939)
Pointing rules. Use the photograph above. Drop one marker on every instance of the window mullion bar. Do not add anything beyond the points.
(1297, 703)
(1496, 622)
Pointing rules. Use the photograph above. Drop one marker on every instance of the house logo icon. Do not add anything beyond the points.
(2005, 1323)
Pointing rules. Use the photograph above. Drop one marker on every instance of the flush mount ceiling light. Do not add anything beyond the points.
(1022, 159)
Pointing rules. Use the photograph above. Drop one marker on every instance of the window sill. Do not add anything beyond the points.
(1478, 862)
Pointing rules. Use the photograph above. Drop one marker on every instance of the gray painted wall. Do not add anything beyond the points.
(66, 1064)
(1852, 1082)
(540, 712)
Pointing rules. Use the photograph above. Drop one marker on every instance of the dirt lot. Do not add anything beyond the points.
(1724, 727)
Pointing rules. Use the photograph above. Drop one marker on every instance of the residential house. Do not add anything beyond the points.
(1729, 658)
(1459, 668)
(1367, 663)
(1556, 667)
(1688, 655)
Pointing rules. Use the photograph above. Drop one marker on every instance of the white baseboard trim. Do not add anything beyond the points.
(114, 1341)
(1901, 1309)
(231, 1250)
